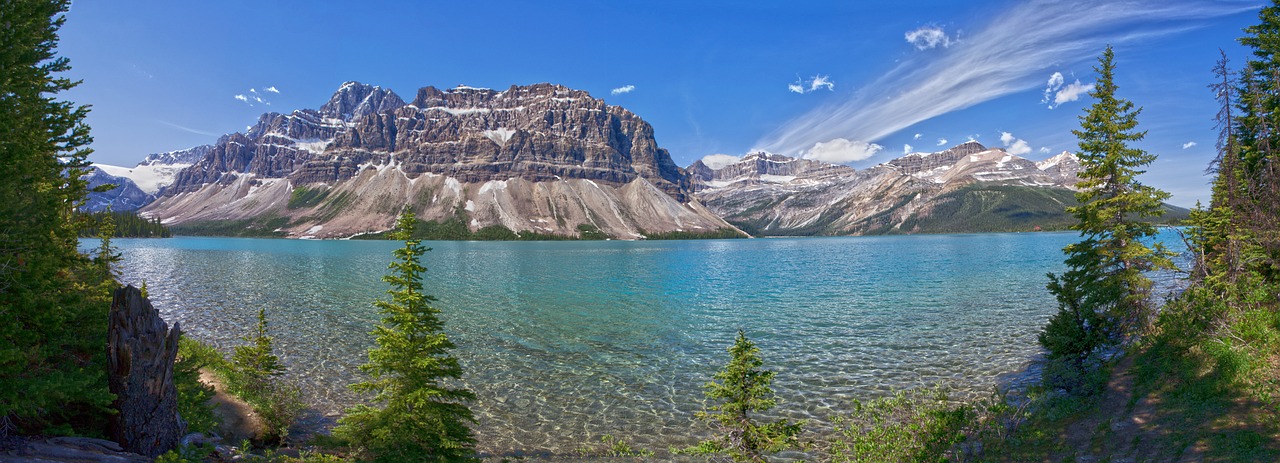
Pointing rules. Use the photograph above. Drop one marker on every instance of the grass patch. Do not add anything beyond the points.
(303, 197)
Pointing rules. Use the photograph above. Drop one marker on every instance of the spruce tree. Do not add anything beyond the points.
(52, 320)
(1104, 296)
(421, 416)
(742, 388)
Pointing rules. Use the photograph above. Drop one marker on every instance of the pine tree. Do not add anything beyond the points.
(742, 389)
(257, 378)
(1104, 296)
(52, 321)
(1113, 204)
(256, 362)
(422, 418)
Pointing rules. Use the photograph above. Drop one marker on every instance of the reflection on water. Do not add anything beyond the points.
(567, 341)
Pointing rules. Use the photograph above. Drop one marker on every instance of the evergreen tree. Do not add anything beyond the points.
(256, 361)
(1256, 172)
(422, 418)
(52, 320)
(1104, 296)
(742, 389)
(257, 372)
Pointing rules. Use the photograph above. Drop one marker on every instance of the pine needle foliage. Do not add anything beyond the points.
(742, 390)
(1104, 295)
(52, 315)
(421, 417)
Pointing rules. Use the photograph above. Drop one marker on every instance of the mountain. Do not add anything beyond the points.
(148, 177)
(966, 188)
(540, 158)
(126, 196)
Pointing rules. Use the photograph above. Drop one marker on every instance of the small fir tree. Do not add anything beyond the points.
(258, 380)
(742, 389)
(421, 418)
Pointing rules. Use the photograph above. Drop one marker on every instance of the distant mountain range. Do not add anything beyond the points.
(543, 159)
(963, 189)
(549, 160)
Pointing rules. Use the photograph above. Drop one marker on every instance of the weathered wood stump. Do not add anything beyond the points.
(141, 350)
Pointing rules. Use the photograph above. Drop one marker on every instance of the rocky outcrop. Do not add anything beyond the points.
(966, 188)
(542, 158)
(141, 350)
(764, 167)
(68, 450)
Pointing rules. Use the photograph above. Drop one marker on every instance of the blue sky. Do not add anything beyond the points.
(846, 81)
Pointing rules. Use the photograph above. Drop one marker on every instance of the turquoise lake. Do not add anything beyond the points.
(566, 341)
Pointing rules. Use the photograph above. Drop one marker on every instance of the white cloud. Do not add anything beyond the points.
(819, 82)
(842, 150)
(1055, 82)
(994, 60)
(253, 96)
(1188, 144)
(813, 84)
(1071, 92)
(1014, 145)
(906, 149)
(622, 89)
(1044, 150)
(917, 137)
(942, 141)
(928, 37)
(719, 161)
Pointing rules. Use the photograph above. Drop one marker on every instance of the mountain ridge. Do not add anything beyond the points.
(541, 158)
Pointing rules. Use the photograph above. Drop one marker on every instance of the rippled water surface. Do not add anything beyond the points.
(567, 341)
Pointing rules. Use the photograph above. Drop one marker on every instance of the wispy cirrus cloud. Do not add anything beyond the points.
(187, 129)
(623, 89)
(994, 61)
(813, 84)
(1188, 145)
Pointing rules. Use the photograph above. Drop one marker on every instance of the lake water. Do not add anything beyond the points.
(566, 341)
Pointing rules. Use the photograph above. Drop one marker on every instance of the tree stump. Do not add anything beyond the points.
(141, 350)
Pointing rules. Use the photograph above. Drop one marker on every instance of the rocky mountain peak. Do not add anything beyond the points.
(354, 100)
(918, 162)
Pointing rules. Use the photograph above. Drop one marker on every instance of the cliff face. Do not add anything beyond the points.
(541, 158)
(966, 188)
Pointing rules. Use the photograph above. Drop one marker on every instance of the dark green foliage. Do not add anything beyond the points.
(255, 376)
(257, 227)
(588, 231)
(742, 390)
(920, 426)
(128, 224)
(420, 416)
(54, 311)
(720, 233)
(1078, 336)
(194, 395)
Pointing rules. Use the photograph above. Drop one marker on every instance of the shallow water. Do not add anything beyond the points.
(566, 341)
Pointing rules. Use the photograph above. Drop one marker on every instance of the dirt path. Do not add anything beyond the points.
(238, 419)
